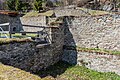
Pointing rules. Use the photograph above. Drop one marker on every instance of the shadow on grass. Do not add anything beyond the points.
(55, 70)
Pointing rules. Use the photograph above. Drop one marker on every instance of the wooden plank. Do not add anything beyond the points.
(4, 31)
(42, 45)
(32, 32)
(33, 26)
(39, 26)
(4, 24)
(28, 32)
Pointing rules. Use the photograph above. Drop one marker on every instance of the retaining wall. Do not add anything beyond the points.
(33, 56)
(93, 31)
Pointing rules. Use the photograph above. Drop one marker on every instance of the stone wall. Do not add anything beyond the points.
(15, 22)
(35, 21)
(33, 56)
(94, 61)
(93, 31)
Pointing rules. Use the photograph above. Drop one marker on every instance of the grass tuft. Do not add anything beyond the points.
(92, 50)
(7, 40)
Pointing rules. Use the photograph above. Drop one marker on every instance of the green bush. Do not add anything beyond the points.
(38, 5)
(17, 5)
(25, 7)
(11, 4)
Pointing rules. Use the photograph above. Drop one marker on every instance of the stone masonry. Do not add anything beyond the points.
(102, 32)
(93, 31)
(33, 56)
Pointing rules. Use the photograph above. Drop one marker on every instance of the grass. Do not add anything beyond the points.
(65, 71)
(92, 50)
(7, 40)
(83, 73)
(94, 12)
(11, 73)
(17, 38)
(58, 71)
(35, 14)
(18, 35)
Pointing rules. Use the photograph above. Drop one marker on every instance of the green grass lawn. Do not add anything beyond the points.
(65, 71)
(82, 73)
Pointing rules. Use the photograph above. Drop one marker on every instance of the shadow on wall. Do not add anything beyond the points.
(70, 54)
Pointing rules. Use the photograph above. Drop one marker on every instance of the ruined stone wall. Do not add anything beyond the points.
(33, 56)
(93, 31)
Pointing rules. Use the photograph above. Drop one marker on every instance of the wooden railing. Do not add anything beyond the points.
(39, 33)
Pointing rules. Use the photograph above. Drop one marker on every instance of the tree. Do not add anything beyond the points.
(25, 6)
(38, 5)
(11, 4)
(18, 5)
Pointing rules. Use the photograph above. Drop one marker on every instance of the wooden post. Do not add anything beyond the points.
(38, 34)
(10, 32)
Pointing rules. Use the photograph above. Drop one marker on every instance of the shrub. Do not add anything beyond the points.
(38, 5)
(18, 5)
(11, 4)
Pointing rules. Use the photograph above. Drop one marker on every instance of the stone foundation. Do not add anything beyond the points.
(93, 31)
